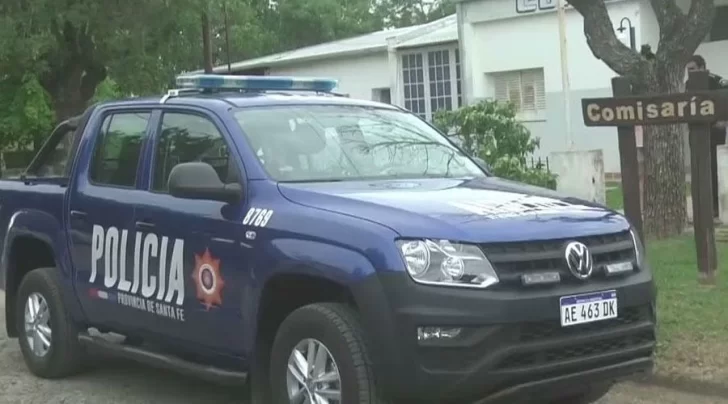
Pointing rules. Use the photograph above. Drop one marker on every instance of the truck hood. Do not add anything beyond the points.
(474, 210)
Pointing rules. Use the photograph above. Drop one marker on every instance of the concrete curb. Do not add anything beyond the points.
(684, 384)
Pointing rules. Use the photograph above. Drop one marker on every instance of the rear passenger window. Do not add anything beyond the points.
(118, 148)
(187, 137)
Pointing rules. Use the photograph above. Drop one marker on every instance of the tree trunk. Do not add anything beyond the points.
(71, 89)
(73, 73)
(661, 73)
(665, 210)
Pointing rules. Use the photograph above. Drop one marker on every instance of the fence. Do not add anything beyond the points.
(540, 164)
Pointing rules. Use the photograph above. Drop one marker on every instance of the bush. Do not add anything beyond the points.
(490, 130)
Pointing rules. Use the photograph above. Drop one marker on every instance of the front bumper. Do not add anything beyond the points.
(564, 384)
(512, 342)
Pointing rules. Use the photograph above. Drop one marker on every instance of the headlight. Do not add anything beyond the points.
(446, 263)
(639, 250)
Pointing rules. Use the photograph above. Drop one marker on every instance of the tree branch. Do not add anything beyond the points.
(669, 16)
(603, 42)
(680, 36)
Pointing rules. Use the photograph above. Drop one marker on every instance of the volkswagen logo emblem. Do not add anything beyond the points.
(579, 260)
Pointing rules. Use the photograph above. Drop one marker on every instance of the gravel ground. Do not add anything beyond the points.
(113, 381)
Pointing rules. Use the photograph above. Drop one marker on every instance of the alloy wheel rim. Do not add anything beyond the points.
(38, 330)
(313, 375)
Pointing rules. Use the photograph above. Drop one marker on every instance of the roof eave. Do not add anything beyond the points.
(267, 62)
(405, 46)
(254, 64)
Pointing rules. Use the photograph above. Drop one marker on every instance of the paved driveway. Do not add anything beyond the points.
(122, 382)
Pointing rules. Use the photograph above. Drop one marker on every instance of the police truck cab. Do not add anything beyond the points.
(322, 249)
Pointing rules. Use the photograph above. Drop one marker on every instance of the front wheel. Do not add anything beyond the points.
(48, 336)
(319, 356)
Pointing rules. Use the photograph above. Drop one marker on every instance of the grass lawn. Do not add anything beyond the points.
(614, 196)
(692, 319)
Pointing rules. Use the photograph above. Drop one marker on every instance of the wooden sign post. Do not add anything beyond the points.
(631, 194)
(700, 108)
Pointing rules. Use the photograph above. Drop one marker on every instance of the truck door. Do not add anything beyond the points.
(197, 263)
(101, 214)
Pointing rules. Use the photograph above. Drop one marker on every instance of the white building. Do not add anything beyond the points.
(389, 65)
(505, 54)
(515, 55)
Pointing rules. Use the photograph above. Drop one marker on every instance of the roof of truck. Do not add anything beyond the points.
(215, 91)
(250, 99)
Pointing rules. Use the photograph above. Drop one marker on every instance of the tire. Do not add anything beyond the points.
(337, 328)
(592, 395)
(64, 356)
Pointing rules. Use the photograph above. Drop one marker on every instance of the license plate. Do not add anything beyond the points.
(587, 308)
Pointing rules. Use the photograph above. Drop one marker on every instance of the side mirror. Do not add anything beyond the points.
(197, 180)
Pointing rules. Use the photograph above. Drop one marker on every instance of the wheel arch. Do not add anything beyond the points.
(303, 270)
(34, 239)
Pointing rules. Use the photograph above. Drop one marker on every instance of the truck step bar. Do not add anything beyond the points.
(163, 360)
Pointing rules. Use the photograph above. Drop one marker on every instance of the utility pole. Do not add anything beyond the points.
(206, 46)
(227, 37)
(561, 12)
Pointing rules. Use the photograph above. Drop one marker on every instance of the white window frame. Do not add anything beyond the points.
(451, 48)
(538, 113)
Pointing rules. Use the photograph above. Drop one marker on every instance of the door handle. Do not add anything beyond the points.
(77, 214)
(145, 224)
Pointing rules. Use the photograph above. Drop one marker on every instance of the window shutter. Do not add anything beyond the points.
(534, 87)
(524, 88)
(508, 88)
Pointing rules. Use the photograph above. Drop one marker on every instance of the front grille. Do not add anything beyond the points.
(512, 260)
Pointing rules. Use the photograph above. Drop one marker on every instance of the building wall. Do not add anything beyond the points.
(495, 38)
(358, 75)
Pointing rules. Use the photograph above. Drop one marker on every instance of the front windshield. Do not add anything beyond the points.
(300, 143)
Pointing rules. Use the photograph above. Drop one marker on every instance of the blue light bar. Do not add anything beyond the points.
(259, 83)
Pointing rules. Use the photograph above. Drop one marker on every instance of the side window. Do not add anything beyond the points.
(187, 137)
(118, 148)
(54, 164)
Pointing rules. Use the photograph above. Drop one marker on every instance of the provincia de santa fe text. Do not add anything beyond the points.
(155, 281)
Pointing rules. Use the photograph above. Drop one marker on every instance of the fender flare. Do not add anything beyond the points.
(320, 259)
(45, 228)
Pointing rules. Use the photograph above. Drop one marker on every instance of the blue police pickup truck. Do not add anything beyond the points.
(321, 249)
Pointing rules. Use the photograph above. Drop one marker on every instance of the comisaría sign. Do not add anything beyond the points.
(703, 107)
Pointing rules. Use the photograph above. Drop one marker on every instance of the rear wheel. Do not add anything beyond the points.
(319, 356)
(48, 337)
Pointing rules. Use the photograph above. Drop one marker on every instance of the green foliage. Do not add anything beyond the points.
(490, 130)
(308, 22)
(26, 115)
(403, 13)
(107, 90)
(57, 57)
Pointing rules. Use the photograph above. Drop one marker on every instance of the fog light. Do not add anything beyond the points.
(437, 333)
(540, 278)
(619, 268)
